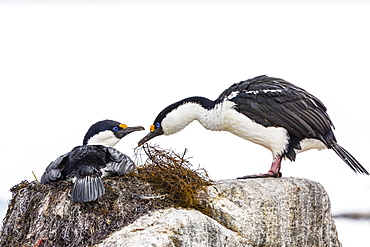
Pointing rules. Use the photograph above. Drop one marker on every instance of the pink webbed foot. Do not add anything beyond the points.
(274, 172)
(263, 175)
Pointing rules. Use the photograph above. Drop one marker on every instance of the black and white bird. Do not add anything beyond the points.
(87, 164)
(265, 110)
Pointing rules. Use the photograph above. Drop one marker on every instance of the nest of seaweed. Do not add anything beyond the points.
(172, 175)
(47, 212)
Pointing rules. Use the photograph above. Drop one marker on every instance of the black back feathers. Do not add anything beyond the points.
(86, 164)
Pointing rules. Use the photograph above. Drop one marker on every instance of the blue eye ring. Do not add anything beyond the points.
(115, 128)
(157, 125)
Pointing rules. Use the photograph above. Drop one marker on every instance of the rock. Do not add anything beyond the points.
(255, 212)
(354, 216)
(258, 212)
(174, 227)
(275, 212)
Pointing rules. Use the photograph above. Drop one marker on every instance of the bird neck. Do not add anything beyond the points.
(190, 109)
(104, 138)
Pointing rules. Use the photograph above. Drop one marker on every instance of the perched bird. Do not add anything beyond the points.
(87, 164)
(265, 110)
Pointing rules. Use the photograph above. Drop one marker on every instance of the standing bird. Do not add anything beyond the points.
(265, 110)
(89, 162)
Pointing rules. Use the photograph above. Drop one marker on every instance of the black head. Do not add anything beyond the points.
(108, 132)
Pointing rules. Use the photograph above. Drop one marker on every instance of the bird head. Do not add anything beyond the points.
(176, 116)
(108, 133)
(163, 122)
(155, 130)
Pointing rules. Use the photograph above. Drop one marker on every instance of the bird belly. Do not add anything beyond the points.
(272, 138)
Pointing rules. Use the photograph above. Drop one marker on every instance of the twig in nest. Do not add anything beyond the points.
(35, 176)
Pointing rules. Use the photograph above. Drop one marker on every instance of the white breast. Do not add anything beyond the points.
(224, 117)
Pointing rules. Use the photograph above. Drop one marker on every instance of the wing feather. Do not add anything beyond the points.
(118, 162)
(88, 188)
(53, 171)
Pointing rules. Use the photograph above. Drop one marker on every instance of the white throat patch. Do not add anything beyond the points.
(105, 138)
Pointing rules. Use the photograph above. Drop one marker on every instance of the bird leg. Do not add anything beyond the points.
(274, 171)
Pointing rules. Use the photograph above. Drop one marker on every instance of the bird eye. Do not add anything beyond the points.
(115, 128)
(154, 127)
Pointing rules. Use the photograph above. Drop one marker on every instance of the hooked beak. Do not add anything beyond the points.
(123, 132)
(152, 134)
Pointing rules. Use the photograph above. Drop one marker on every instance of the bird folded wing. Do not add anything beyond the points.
(297, 111)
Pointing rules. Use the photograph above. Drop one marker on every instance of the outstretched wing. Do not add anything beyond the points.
(275, 102)
(53, 171)
(119, 163)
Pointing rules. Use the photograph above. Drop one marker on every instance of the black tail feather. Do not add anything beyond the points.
(87, 189)
(349, 159)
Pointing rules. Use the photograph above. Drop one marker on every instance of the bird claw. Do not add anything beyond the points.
(263, 175)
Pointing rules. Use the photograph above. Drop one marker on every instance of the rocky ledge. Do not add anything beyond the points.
(255, 212)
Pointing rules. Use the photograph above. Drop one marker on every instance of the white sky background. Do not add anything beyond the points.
(64, 67)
